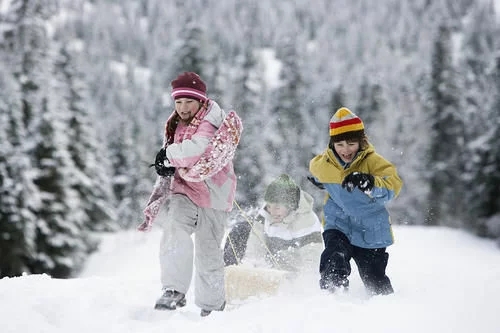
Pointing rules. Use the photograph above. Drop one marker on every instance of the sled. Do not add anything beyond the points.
(243, 282)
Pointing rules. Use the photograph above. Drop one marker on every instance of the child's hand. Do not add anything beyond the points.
(315, 183)
(162, 164)
(146, 225)
(363, 181)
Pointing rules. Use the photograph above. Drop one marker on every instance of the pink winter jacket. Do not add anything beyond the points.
(215, 192)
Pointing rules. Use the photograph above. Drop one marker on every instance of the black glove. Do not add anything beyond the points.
(161, 168)
(259, 219)
(363, 181)
(316, 183)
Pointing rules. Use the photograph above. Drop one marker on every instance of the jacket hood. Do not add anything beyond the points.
(298, 223)
(305, 203)
(215, 115)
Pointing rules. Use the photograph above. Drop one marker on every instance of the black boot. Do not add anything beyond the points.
(170, 300)
(205, 313)
(334, 285)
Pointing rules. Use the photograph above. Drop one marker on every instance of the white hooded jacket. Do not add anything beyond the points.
(285, 239)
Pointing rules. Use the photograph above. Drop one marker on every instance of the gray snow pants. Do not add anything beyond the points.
(176, 251)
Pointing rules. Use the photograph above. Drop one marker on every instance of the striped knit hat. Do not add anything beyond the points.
(345, 125)
(189, 85)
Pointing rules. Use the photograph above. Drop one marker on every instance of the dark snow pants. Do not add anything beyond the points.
(236, 243)
(335, 268)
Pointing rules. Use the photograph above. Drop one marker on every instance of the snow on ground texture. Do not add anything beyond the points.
(444, 280)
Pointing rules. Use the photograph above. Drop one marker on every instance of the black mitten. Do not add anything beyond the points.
(165, 171)
(161, 167)
(363, 181)
(161, 156)
(315, 183)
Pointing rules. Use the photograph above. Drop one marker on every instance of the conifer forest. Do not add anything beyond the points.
(85, 93)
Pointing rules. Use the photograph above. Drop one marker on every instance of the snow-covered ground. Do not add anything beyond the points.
(444, 280)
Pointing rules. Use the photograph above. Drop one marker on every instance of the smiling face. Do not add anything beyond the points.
(187, 108)
(277, 211)
(346, 150)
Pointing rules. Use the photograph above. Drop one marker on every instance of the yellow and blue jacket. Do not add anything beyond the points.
(363, 218)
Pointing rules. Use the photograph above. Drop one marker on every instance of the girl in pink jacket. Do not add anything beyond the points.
(196, 175)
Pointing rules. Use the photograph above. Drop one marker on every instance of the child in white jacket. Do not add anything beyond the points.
(284, 225)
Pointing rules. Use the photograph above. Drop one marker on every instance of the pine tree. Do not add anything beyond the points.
(190, 54)
(247, 96)
(366, 103)
(18, 195)
(485, 165)
(481, 101)
(288, 109)
(446, 135)
(127, 173)
(62, 241)
(92, 172)
(59, 241)
(31, 48)
(337, 100)
(21, 199)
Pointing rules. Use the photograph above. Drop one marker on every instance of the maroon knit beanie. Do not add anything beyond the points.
(189, 85)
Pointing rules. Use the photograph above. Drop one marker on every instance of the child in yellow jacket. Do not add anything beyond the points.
(357, 225)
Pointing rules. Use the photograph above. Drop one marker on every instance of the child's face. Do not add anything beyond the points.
(346, 150)
(186, 108)
(277, 211)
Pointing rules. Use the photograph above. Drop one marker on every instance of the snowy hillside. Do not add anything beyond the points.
(445, 281)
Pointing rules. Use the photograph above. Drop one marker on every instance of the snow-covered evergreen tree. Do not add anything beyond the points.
(337, 100)
(62, 240)
(289, 108)
(19, 199)
(480, 99)
(369, 103)
(127, 170)
(191, 51)
(59, 241)
(248, 93)
(92, 174)
(446, 135)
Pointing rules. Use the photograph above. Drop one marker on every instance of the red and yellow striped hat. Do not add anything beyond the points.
(345, 125)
